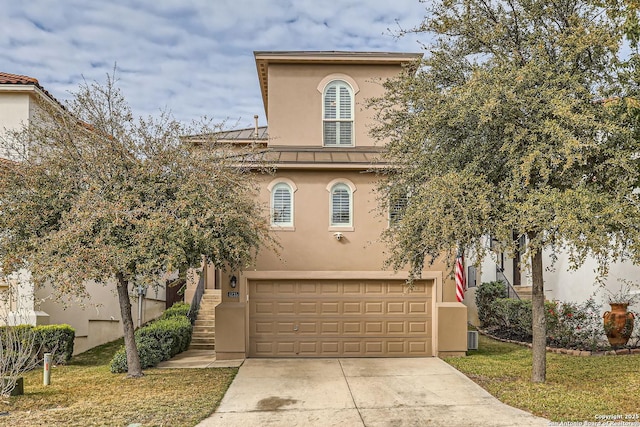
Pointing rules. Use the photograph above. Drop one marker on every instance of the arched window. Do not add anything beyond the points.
(337, 114)
(281, 205)
(341, 205)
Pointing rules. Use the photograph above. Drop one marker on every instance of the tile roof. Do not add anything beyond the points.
(17, 79)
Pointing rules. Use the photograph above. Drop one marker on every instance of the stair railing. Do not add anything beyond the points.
(500, 276)
(192, 314)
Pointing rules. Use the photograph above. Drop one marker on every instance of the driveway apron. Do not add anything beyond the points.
(360, 392)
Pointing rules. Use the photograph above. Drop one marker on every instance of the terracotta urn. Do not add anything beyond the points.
(618, 324)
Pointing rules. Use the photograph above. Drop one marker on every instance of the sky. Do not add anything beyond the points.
(192, 57)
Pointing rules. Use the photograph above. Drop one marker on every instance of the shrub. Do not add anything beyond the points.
(511, 319)
(179, 309)
(148, 351)
(486, 294)
(576, 326)
(172, 335)
(157, 341)
(569, 325)
(57, 340)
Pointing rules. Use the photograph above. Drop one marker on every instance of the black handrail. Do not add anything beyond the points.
(511, 292)
(195, 301)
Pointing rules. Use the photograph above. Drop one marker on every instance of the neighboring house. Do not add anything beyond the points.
(561, 283)
(326, 294)
(96, 320)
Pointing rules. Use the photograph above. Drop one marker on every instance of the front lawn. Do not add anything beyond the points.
(85, 393)
(577, 388)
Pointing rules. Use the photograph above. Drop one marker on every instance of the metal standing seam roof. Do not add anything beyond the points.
(247, 134)
(318, 156)
(303, 155)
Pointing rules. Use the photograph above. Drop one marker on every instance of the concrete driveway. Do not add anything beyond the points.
(360, 392)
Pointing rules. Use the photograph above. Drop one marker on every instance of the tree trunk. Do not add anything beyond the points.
(539, 347)
(134, 369)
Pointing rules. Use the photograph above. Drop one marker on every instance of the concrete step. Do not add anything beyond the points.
(202, 344)
(202, 347)
(524, 292)
(203, 336)
(200, 338)
(204, 332)
(203, 322)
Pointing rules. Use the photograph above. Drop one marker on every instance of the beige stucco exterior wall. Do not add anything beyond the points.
(97, 319)
(295, 103)
(452, 328)
(15, 111)
(310, 251)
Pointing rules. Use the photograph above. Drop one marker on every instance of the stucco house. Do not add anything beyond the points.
(326, 293)
(561, 282)
(96, 320)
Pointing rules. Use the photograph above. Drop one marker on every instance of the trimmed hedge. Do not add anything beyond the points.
(55, 339)
(157, 341)
(486, 294)
(176, 310)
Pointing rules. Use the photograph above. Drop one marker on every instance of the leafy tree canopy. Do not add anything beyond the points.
(522, 120)
(522, 117)
(93, 193)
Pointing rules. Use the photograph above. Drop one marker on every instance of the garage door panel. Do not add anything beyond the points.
(331, 327)
(352, 327)
(330, 307)
(373, 328)
(263, 307)
(285, 308)
(417, 307)
(417, 327)
(374, 288)
(352, 308)
(262, 328)
(334, 319)
(351, 289)
(395, 307)
(374, 308)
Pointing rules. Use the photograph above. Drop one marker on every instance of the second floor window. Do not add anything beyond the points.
(397, 206)
(340, 205)
(337, 114)
(281, 205)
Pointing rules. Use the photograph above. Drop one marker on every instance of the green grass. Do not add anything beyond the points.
(577, 388)
(85, 393)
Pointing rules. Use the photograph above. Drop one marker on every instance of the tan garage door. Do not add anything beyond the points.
(304, 318)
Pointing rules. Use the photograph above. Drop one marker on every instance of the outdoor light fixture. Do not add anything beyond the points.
(233, 281)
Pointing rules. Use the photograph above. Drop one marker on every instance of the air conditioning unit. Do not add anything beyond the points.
(472, 340)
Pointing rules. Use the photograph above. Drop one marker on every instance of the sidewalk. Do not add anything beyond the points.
(199, 359)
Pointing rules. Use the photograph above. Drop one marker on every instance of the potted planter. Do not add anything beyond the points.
(618, 324)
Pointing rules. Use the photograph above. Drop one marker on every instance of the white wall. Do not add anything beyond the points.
(14, 113)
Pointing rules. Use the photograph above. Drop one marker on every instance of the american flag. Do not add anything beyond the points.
(460, 282)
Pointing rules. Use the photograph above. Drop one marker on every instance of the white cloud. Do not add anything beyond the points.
(194, 57)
